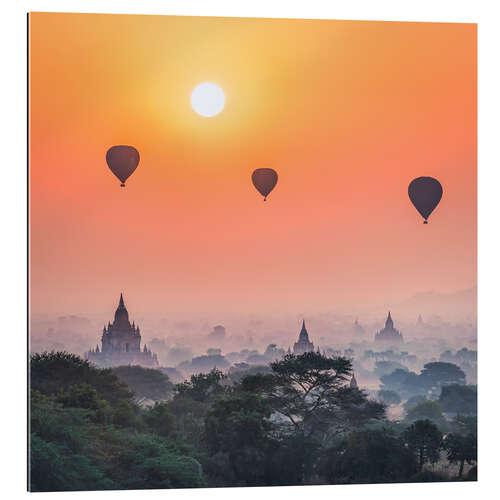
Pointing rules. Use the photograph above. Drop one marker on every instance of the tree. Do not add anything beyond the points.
(192, 399)
(369, 456)
(80, 396)
(208, 362)
(464, 424)
(426, 409)
(52, 371)
(460, 399)
(413, 401)
(148, 463)
(145, 382)
(202, 387)
(310, 393)
(160, 419)
(387, 367)
(461, 449)
(423, 438)
(389, 397)
(406, 383)
(239, 426)
(439, 374)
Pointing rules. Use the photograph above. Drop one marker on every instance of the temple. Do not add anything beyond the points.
(389, 334)
(303, 344)
(357, 329)
(121, 344)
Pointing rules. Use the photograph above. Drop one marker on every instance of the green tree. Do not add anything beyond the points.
(239, 426)
(369, 456)
(52, 371)
(192, 400)
(203, 387)
(53, 467)
(148, 462)
(80, 396)
(460, 399)
(145, 382)
(423, 438)
(160, 419)
(310, 392)
(389, 397)
(405, 383)
(461, 449)
(413, 401)
(465, 424)
(426, 409)
(439, 374)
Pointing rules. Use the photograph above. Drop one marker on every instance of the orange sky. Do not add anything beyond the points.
(348, 113)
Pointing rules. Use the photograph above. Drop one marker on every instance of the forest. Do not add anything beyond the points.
(298, 422)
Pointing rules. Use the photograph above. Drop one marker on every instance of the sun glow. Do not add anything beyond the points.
(208, 99)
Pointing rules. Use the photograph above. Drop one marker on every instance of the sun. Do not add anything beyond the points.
(208, 99)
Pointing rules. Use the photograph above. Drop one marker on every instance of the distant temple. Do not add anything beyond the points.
(303, 344)
(389, 334)
(357, 329)
(353, 384)
(121, 344)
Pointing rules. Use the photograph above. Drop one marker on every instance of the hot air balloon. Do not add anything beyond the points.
(425, 194)
(122, 161)
(264, 180)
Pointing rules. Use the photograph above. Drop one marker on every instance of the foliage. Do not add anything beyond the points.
(461, 449)
(238, 425)
(406, 383)
(426, 409)
(386, 367)
(297, 423)
(389, 397)
(413, 401)
(81, 441)
(464, 424)
(461, 399)
(52, 371)
(145, 382)
(370, 456)
(439, 374)
(309, 392)
(160, 419)
(192, 400)
(423, 438)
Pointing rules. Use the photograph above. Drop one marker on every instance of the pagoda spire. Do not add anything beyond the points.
(121, 304)
(389, 323)
(303, 335)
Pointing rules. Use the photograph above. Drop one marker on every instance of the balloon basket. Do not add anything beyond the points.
(122, 185)
(425, 222)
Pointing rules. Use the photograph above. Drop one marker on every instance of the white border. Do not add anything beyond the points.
(13, 211)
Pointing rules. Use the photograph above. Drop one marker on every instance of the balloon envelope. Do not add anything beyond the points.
(425, 193)
(122, 161)
(264, 180)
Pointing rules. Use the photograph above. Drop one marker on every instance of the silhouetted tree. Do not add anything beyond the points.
(461, 449)
(52, 371)
(439, 374)
(370, 456)
(426, 409)
(460, 399)
(145, 382)
(423, 438)
(310, 393)
(239, 426)
(160, 419)
(389, 397)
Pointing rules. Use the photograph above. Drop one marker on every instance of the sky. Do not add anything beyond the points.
(347, 113)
